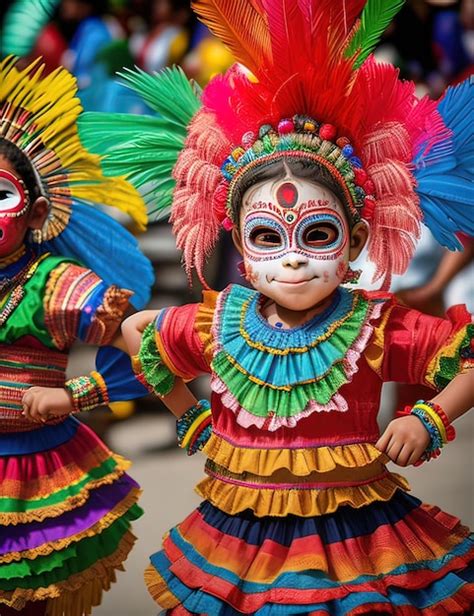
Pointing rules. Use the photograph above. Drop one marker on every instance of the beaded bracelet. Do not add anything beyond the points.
(194, 427)
(450, 431)
(87, 392)
(437, 425)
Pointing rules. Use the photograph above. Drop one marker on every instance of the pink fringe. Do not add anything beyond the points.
(196, 223)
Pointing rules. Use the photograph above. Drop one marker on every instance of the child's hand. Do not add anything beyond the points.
(404, 440)
(133, 326)
(43, 403)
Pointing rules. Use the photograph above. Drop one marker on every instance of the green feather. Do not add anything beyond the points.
(22, 25)
(169, 93)
(375, 18)
(145, 148)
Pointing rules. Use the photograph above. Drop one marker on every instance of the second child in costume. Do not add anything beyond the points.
(307, 153)
(67, 274)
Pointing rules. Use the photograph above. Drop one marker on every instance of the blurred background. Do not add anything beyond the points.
(432, 42)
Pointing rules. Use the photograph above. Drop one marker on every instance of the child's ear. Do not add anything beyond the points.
(237, 239)
(38, 213)
(359, 235)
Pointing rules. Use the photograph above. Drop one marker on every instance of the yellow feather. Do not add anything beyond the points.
(40, 115)
(240, 26)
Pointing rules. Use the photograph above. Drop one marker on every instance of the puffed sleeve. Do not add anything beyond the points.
(411, 347)
(177, 343)
(78, 305)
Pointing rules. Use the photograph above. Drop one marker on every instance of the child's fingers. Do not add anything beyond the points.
(404, 455)
(384, 440)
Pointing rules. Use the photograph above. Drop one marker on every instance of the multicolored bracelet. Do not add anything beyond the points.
(437, 424)
(87, 392)
(194, 427)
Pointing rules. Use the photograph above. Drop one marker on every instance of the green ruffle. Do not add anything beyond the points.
(449, 367)
(254, 393)
(56, 567)
(12, 505)
(155, 371)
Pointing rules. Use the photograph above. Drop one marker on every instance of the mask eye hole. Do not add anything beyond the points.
(321, 234)
(265, 237)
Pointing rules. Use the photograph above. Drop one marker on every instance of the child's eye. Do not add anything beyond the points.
(264, 237)
(320, 234)
(5, 194)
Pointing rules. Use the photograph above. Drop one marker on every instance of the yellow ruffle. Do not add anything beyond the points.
(300, 462)
(449, 351)
(233, 499)
(61, 544)
(73, 502)
(158, 589)
(77, 595)
(203, 322)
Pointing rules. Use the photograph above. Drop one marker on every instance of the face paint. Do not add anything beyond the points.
(295, 240)
(14, 204)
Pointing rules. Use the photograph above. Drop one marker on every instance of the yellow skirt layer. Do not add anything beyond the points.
(233, 499)
(299, 462)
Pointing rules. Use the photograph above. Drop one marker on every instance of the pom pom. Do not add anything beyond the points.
(341, 142)
(356, 161)
(369, 187)
(248, 138)
(227, 224)
(327, 132)
(348, 150)
(286, 126)
(361, 176)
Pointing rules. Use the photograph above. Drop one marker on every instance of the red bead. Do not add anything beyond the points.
(286, 126)
(248, 138)
(327, 132)
(369, 187)
(361, 176)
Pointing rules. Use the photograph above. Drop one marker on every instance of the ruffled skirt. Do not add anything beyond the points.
(398, 557)
(66, 506)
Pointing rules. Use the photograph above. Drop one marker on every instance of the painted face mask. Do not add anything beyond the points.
(13, 209)
(295, 240)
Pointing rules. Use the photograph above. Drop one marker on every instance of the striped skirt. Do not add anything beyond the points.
(398, 557)
(66, 505)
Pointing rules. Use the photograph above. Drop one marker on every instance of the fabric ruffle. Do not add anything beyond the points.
(458, 352)
(233, 499)
(49, 483)
(300, 462)
(66, 513)
(273, 381)
(335, 564)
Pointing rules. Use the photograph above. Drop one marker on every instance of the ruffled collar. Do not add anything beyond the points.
(272, 377)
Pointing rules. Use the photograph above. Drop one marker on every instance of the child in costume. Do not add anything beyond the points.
(305, 151)
(67, 272)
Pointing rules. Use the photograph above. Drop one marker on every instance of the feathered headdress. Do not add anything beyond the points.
(39, 115)
(306, 85)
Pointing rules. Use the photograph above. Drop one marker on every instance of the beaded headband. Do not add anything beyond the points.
(303, 137)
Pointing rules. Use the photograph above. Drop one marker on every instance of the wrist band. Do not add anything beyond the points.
(194, 427)
(437, 424)
(87, 392)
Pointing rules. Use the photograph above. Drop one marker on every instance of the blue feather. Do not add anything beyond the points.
(444, 175)
(100, 243)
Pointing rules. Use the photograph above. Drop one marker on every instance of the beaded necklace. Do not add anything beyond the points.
(16, 286)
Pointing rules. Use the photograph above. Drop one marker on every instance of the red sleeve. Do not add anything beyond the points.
(411, 347)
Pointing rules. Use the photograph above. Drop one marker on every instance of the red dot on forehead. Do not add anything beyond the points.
(287, 194)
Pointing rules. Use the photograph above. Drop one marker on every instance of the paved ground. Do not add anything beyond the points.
(168, 477)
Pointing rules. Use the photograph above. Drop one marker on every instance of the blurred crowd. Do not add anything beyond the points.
(431, 41)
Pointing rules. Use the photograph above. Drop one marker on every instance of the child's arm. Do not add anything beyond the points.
(180, 399)
(405, 438)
